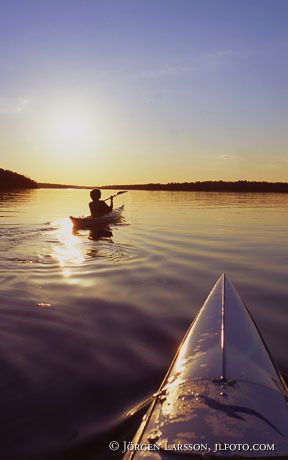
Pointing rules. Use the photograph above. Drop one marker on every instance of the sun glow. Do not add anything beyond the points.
(72, 138)
(70, 131)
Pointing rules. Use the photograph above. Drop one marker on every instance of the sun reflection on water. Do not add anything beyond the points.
(67, 251)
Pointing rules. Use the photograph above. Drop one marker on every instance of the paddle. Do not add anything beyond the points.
(118, 193)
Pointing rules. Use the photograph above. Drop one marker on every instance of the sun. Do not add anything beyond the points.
(70, 131)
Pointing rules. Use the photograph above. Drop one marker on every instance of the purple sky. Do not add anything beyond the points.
(144, 90)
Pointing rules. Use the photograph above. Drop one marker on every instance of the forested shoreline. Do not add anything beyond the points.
(10, 180)
(210, 186)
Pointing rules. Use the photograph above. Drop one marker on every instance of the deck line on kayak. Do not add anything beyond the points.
(223, 372)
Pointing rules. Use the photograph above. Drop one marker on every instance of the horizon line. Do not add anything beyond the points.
(142, 184)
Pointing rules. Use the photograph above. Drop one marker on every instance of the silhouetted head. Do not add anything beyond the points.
(95, 194)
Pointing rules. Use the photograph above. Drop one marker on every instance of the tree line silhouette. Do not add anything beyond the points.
(10, 180)
(210, 186)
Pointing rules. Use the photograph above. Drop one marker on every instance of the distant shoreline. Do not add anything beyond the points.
(46, 185)
(10, 180)
(199, 186)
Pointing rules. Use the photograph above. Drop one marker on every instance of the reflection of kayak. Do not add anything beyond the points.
(222, 387)
(90, 222)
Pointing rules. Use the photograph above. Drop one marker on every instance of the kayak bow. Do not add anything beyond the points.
(92, 222)
(222, 387)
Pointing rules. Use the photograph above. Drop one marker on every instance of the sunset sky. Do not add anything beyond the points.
(134, 91)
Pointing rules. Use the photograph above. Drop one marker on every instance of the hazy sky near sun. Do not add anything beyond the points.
(130, 91)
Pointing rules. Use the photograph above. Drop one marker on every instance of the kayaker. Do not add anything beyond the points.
(99, 208)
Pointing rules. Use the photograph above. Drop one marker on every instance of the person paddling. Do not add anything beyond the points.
(99, 208)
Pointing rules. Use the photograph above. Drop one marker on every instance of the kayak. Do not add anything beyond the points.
(94, 222)
(222, 395)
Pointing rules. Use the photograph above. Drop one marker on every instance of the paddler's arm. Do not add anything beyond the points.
(111, 203)
(91, 207)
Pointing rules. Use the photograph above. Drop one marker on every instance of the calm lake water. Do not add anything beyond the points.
(89, 324)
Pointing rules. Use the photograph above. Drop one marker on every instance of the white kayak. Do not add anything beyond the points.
(222, 395)
(94, 222)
